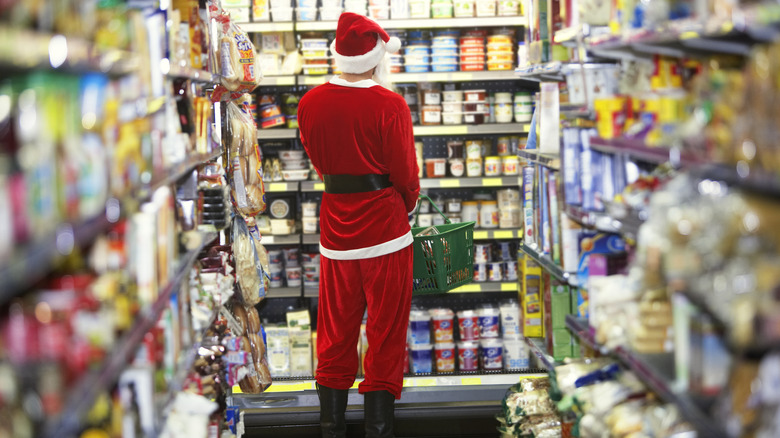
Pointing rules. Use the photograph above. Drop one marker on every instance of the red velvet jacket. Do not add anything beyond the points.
(359, 128)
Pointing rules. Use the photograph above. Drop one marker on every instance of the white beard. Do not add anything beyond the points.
(382, 73)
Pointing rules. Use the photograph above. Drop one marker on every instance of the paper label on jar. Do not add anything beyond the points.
(439, 168)
(432, 117)
(432, 99)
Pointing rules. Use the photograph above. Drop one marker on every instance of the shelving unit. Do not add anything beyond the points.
(515, 233)
(284, 292)
(279, 81)
(544, 360)
(177, 172)
(548, 265)
(277, 133)
(553, 161)
(636, 149)
(84, 392)
(281, 187)
(191, 73)
(498, 286)
(422, 23)
(485, 129)
(475, 182)
(657, 372)
(291, 239)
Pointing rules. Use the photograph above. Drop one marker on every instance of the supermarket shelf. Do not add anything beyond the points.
(270, 26)
(285, 186)
(553, 161)
(284, 292)
(627, 225)
(310, 239)
(487, 128)
(26, 49)
(497, 286)
(423, 23)
(470, 379)
(754, 181)
(548, 265)
(657, 372)
(448, 183)
(551, 71)
(456, 76)
(290, 239)
(31, 264)
(637, 149)
(514, 233)
(312, 186)
(311, 292)
(314, 79)
(287, 80)
(568, 36)
(89, 386)
(277, 133)
(191, 73)
(536, 345)
(175, 173)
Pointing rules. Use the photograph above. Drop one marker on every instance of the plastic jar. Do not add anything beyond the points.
(488, 322)
(492, 166)
(457, 167)
(503, 109)
(455, 149)
(482, 252)
(445, 357)
(309, 209)
(470, 212)
(431, 93)
(443, 326)
(510, 218)
(468, 356)
(453, 205)
(488, 214)
(473, 148)
(475, 96)
(510, 165)
(463, 8)
(492, 354)
(495, 271)
(421, 360)
(480, 272)
(419, 327)
(468, 325)
(431, 115)
(473, 167)
(435, 167)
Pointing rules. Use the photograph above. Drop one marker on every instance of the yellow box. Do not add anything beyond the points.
(530, 280)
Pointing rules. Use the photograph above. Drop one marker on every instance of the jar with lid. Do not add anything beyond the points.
(431, 115)
(492, 166)
(488, 214)
(453, 205)
(503, 108)
(457, 167)
(430, 93)
(473, 148)
(470, 212)
(473, 167)
(455, 149)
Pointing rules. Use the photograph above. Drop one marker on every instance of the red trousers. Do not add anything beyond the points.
(383, 285)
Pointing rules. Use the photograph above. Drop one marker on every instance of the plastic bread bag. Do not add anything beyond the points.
(246, 176)
(249, 271)
(238, 68)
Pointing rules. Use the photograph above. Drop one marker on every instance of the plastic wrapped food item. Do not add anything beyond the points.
(238, 69)
(246, 175)
(249, 270)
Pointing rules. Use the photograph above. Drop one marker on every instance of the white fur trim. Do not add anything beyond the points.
(360, 63)
(365, 83)
(393, 45)
(388, 247)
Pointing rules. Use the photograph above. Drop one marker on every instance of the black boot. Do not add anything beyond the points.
(333, 405)
(379, 414)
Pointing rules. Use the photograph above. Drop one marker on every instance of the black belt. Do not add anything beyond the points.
(340, 184)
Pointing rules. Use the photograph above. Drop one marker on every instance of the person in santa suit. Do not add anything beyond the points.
(358, 135)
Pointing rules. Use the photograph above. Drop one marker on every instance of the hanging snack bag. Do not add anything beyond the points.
(238, 69)
(249, 270)
(246, 177)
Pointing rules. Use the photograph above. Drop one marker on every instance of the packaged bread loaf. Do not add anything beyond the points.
(249, 271)
(247, 190)
(238, 67)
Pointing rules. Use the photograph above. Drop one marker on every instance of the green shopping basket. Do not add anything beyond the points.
(445, 260)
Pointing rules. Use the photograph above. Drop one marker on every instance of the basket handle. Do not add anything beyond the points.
(417, 212)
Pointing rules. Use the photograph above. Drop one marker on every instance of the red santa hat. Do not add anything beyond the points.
(361, 43)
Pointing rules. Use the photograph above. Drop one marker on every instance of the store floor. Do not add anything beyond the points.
(421, 412)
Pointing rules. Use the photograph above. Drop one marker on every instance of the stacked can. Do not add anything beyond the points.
(311, 269)
(359, 7)
(444, 339)
(515, 349)
(430, 94)
(417, 55)
(492, 349)
(441, 9)
(306, 10)
(472, 51)
(500, 55)
(315, 56)
(331, 9)
(379, 9)
(419, 342)
(483, 254)
(463, 8)
(523, 107)
(445, 51)
(504, 266)
(468, 345)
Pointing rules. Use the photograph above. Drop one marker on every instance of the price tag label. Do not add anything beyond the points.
(290, 386)
(449, 183)
(425, 382)
(508, 287)
(277, 187)
(320, 187)
(470, 381)
(503, 234)
(492, 182)
(460, 76)
(480, 235)
(467, 288)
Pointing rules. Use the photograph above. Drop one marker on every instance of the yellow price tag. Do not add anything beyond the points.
(471, 287)
(508, 287)
(237, 389)
(425, 382)
(290, 387)
(308, 80)
(688, 35)
(492, 182)
(471, 381)
(441, 130)
(503, 234)
(320, 187)
(480, 235)
(450, 182)
(407, 383)
(277, 187)
(462, 76)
